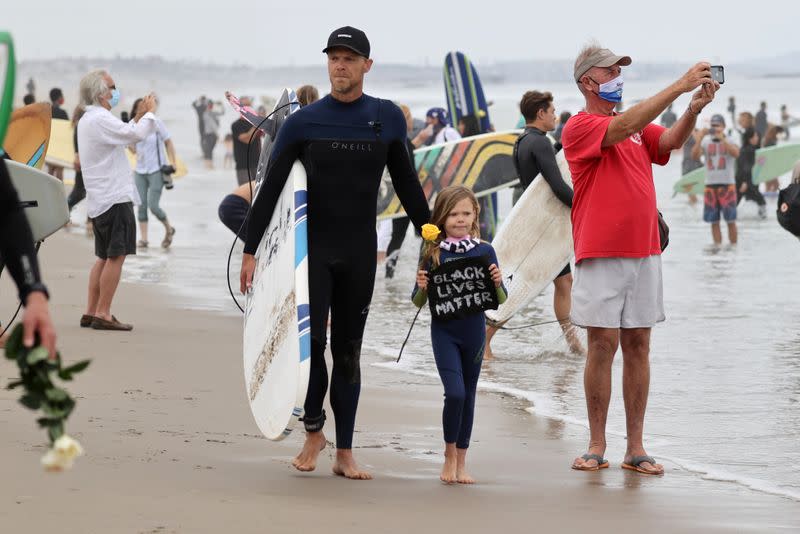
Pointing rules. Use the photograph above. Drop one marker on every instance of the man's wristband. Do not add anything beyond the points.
(690, 110)
(38, 286)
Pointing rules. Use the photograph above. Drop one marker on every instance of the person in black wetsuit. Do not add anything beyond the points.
(344, 142)
(17, 253)
(534, 154)
(745, 188)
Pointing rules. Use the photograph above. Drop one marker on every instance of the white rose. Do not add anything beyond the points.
(68, 446)
(62, 455)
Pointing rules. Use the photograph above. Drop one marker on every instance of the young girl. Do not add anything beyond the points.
(457, 344)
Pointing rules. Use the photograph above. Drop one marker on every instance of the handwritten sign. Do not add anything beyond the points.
(460, 288)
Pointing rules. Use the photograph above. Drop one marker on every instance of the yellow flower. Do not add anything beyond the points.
(62, 455)
(430, 232)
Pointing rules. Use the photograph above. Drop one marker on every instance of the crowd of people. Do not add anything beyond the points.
(614, 290)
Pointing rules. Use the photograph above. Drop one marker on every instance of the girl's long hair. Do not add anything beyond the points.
(445, 203)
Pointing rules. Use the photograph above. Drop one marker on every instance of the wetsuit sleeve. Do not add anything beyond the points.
(545, 155)
(404, 175)
(502, 292)
(287, 148)
(16, 240)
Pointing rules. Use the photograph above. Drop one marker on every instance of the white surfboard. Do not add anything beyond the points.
(533, 244)
(277, 331)
(42, 196)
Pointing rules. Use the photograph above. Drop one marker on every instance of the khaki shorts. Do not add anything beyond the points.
(618, 293)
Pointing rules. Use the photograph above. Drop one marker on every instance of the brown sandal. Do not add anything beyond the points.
(86, 320)
(101, 324)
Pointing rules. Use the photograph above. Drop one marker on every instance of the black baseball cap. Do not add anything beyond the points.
(349, 37)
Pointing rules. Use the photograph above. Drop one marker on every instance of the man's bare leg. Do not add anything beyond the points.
(345, 466)
(94, 287)
(562, 305)
(487, 349)
(603, 343)
(733, 233)
(307, 459)
(109, 280)
(635, 344)
(716, 233)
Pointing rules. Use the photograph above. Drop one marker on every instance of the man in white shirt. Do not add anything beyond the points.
(110, 190)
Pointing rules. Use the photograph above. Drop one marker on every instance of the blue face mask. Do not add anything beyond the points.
(114, 97)
(611, 91)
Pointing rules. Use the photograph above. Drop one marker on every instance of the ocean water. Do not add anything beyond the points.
(725, 386)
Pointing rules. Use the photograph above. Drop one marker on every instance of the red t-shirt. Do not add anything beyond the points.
(614, 210)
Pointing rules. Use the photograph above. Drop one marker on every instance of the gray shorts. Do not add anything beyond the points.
(618, 293)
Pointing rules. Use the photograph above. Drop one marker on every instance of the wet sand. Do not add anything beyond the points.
(171, 446)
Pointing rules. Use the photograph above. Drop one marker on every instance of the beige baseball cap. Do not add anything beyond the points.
(601, 58)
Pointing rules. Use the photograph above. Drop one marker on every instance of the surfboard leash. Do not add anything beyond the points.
(249, 209)
(528, 325)
(409, 333)
(14, 318)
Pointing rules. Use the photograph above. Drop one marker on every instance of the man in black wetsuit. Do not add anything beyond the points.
(17, 253)
(344, 142)
(534, 154)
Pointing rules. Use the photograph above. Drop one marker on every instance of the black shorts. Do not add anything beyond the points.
(115, 232)
(232, 212)
(565, 270)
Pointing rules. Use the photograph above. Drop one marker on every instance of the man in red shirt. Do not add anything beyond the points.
(617, 294)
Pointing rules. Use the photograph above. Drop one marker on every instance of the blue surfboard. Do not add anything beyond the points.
(464, 90)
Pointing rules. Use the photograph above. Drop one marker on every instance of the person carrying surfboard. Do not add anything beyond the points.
(18, 254)
(618, 293)
(457, 339)
(535, 154)
(344, 141)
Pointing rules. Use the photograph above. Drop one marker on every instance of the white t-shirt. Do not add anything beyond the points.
(149, 150)
(107, 175)
(446, 134)
(720, 165)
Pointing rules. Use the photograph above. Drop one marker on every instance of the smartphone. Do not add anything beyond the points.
(718, 73)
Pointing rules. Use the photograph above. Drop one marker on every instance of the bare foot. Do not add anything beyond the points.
(450, 468)
(461, 468)
(345, 466)
(307, 459)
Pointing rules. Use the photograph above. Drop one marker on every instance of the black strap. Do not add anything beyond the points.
(158, 148)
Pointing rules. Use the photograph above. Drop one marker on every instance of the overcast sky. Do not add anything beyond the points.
(269, 33)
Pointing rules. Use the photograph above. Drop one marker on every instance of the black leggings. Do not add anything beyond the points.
(752, 193)
(208, 143)
(78, 192)
(341, 279)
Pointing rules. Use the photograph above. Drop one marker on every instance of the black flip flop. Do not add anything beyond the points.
(602, 463)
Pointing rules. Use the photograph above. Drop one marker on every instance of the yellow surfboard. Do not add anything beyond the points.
(28, 134)
(61, 150)
(180, 166)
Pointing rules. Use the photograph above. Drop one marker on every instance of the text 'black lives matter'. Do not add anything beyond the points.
(460, 288)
